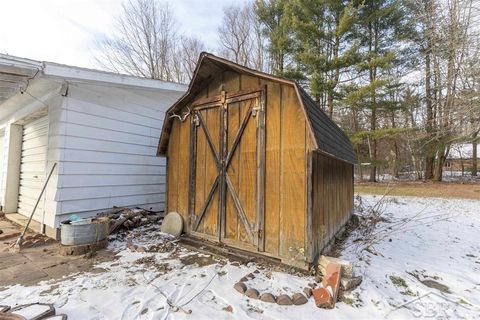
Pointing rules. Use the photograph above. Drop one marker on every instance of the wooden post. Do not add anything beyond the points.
(261, 172)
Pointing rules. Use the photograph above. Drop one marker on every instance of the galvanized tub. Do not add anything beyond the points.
(85, 231)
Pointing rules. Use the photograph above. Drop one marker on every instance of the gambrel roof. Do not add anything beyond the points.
(329, 137)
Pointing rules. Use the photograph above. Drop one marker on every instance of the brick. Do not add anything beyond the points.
(322, 298)
(324, 261)
(350, 283)
(332, 279)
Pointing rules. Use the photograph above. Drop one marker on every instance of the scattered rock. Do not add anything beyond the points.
(322, 297)
(268, 297)
(244, 279)
(251, 276)
(299, 299)
(141, 249)
(284, 300)
(350, 283)
(307, 291)
(228, 308)
(252, 293)
(172, 224)
(312, 285)
(240, 287)
(346, 266)
(256, 271)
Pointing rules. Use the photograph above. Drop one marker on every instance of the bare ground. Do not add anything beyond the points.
(422, 189)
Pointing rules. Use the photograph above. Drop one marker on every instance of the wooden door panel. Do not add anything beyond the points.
(225, 168)
(231, 217)
(207, 178)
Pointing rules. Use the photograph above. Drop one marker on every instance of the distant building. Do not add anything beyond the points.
(101, 129)
(460, 157)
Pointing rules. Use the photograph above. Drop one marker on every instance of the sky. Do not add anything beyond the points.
(66, 31)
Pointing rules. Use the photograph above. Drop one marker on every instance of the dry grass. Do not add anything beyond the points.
(422, 189)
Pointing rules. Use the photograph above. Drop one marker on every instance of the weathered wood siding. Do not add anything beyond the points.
(285, 180)
(332, 198)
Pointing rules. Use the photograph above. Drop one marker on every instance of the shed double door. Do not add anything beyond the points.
(227, 169)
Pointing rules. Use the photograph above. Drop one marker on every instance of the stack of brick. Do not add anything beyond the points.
(337, 275)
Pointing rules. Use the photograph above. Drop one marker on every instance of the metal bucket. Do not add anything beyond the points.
(85, 231)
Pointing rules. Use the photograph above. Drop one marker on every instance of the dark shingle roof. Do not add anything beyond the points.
(329, 138)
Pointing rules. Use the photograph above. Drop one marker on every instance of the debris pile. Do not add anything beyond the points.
(338, 277)
(127, 219)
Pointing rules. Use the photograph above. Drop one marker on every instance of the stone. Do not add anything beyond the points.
(307, 291)
(244, 279)
(252, 293)
(240, 287)
(323, 299)
(312, 285)
(256, 271)
(141, 249)
(251, 276)
(268, 297)
(350, 283)
(332, 279)
(228, 308)
(299, 299)
(284, 300)
(172, 224)
(347, 266)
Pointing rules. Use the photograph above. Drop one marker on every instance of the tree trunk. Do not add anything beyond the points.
(429, 157)
(474, 155)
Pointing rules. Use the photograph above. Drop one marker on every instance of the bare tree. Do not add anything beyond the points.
(146, 43)
(241, 38)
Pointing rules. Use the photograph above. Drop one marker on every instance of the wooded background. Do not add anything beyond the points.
(401, 77)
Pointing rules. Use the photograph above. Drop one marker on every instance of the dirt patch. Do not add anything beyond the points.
(200, 260)
(152, 263)
(436, 285)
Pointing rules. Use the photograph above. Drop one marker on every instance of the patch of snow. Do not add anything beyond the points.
(424, 238)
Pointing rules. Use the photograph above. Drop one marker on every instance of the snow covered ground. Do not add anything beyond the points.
(425, 256)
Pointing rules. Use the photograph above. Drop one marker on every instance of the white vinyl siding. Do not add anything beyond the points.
(108, 142)
(32, 166)
(3, 156)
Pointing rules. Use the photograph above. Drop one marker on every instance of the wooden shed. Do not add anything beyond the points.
(255, 164)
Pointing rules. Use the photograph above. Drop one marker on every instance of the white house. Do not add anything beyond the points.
(101, 129)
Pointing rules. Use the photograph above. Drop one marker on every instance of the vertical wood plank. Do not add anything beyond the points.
(272, 160)
(293, 171)
(172, 188)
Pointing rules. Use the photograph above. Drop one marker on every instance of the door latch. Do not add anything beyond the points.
(196, 120)
(255, 110)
